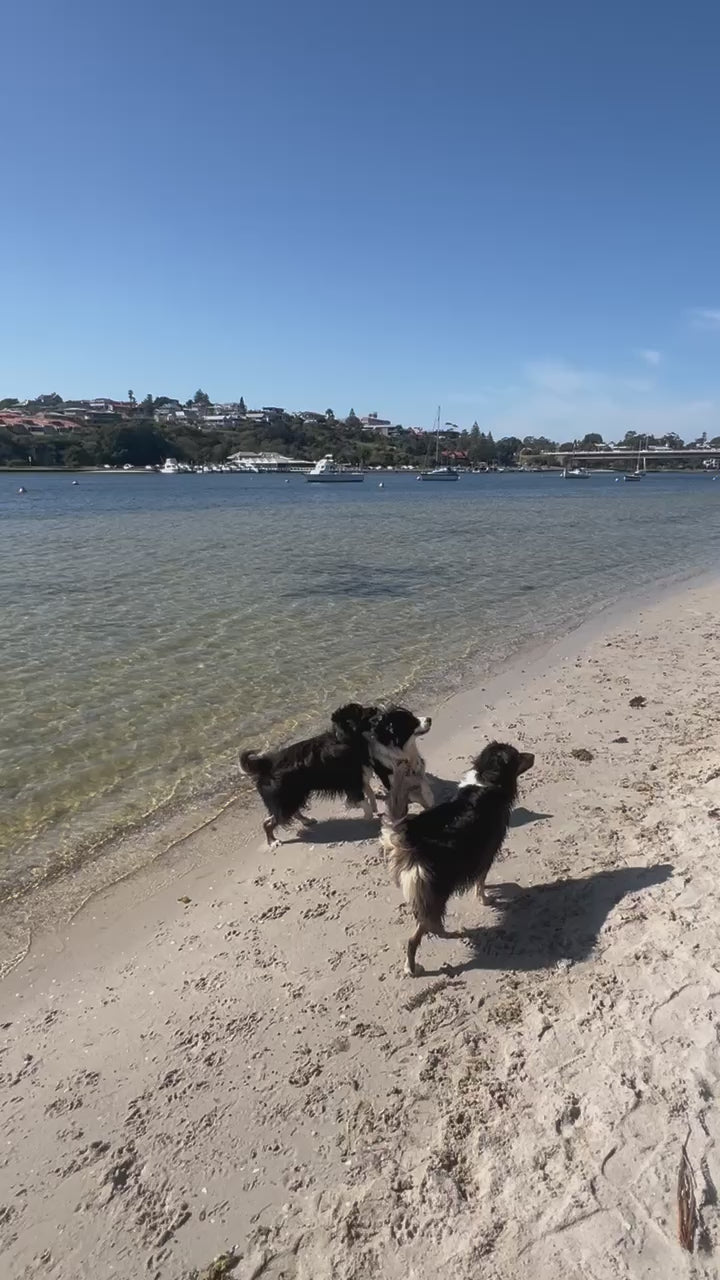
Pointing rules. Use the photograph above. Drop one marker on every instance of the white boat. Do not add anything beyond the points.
(439, 473)
(327, 471)
(575, 473)
(639, 471)
(170, 467)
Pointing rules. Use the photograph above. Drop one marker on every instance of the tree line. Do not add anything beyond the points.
(140, 441)
(137, 439)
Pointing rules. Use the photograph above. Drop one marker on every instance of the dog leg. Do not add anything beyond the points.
(306, 821)
(270, 826)
(369, 803)
(412, 947)
(480, 890)
(427, 798)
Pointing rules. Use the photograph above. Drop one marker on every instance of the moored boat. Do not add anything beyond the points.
(327, 471)
(440, 473)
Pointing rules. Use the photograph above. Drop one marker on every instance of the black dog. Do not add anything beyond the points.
(451, 847)
(334, 763)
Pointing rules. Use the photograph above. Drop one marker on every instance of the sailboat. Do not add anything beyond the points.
(439, 473)
(575, 472)
(637, 474)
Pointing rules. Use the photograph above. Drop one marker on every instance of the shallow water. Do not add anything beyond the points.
(151, 624)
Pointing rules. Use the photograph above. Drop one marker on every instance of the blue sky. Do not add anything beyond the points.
(509, 209)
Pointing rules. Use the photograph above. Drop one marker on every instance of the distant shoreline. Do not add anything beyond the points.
(400, 471)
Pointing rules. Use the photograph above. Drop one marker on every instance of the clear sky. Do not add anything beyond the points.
(509, 207)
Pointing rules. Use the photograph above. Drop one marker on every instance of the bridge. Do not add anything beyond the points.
(628, 455)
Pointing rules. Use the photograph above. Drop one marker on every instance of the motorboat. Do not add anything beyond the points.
(327, 471)
(440, 473)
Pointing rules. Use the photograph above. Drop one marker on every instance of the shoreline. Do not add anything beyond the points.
(698, 469)
(227, 1056)
(96, 867)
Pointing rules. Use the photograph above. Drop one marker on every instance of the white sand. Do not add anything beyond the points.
(253, 1070)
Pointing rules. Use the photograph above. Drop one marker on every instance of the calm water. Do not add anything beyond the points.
(150, 624)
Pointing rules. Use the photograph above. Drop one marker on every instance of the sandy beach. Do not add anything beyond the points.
(221, 1058)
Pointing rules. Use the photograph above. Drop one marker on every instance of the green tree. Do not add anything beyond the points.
(131, 397)
(474, 448)
(242, 407)
(13, 448)
(592, 441)
(202, 398)
(507, 450)
(329, 415)
(77, 455)
(140, 445)
(538, 444)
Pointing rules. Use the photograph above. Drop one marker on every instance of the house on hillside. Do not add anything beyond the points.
(373, 423)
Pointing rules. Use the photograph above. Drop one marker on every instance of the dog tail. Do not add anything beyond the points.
(412, 877)
(252, 764)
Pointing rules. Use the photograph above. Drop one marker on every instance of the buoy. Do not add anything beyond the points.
(287, 481)
(381, 485)
(22, 490)
(76, 481)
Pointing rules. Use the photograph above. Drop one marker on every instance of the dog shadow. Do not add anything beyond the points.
(521, 817)
(544, 924)
(338, 831)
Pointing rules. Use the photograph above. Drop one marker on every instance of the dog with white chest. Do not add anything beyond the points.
(392, 739)
(451, 847)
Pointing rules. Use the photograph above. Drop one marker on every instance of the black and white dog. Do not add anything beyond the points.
(333, 763)
(451, 847)
(340, 762)
(392, 737)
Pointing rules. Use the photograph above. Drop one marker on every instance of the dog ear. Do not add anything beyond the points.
(379, 726)
(349, 717)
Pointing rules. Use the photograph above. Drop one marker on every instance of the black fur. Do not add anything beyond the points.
(452, 846)
(333, 763)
